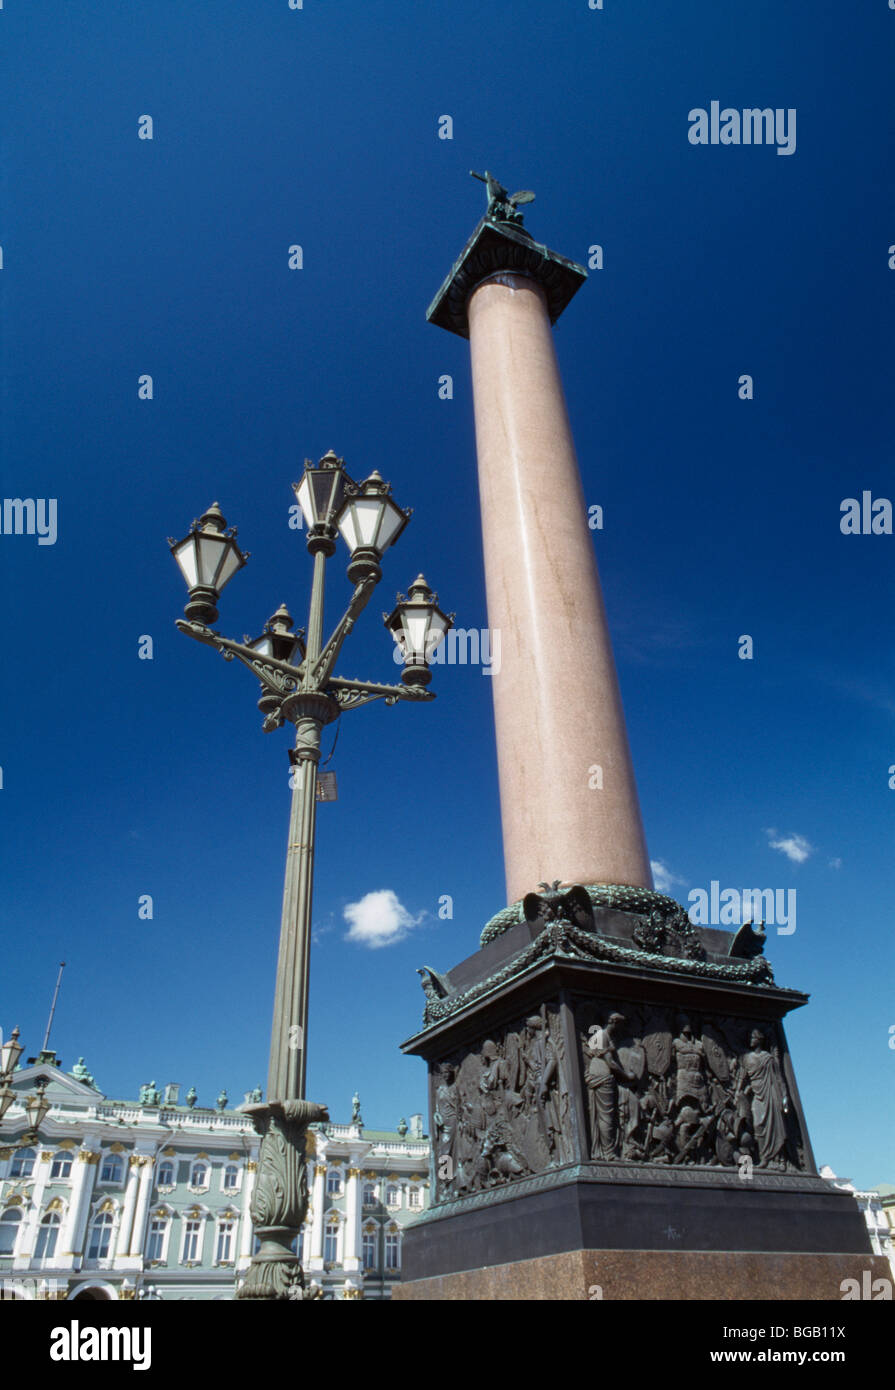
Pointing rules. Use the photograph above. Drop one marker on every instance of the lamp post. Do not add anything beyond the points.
(298, 687)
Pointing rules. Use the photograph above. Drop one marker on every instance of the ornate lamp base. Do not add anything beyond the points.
(280, 1199)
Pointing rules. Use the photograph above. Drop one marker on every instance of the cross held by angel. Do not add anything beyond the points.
(503, 206)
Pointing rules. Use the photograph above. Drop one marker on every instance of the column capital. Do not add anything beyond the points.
(495, 247)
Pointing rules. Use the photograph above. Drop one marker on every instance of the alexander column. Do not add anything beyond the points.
(614, 1110)
(568, 797)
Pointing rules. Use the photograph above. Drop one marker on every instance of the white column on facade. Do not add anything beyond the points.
(72, 1235)
(351, 1251)
(130, 1202)
(318, 1201)
(139, 1232)
(42, 1173)
(246, 1230)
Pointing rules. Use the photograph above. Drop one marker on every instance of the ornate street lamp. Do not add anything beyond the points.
(208, 558)
(36, 1107)
(277, 640)
(298, 687)
(370, 521)
(321, 492)
(7, 1096)
(10, 1053)
(417, 625)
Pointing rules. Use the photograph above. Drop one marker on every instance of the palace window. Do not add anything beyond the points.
(392, 1197)
(10, 1225)
(414, 1197)
(100, 1237)
(199, 1175)
(369, 1249)
(22, 1164)
(224, 1248)
(231, 1178)
(47, 1235)
(155, 1245)
(331, 1243)
(334, 1182)
(112, 1169)
(191, 1242)
(61, 1167)
(165, 1175)
(392, 1251)
(369, 1194)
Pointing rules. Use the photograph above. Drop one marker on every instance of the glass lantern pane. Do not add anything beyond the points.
(209, 547)
(392, 520)
(438, 626)
(348, 527)
(185, 555)
(229, 565)
(416, 624)
(263, 646)
(306, 499)
(328, 486)
(367, 511)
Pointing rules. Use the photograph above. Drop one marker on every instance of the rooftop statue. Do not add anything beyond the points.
(80, 1073)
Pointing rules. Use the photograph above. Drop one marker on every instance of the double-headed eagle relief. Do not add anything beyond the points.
(659, 1088)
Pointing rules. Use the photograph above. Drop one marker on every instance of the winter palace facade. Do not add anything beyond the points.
(150, 1198)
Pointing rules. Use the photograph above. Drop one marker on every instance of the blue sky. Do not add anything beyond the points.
(319, 127)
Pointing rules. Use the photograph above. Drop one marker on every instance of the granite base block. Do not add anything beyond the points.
(673, 1275)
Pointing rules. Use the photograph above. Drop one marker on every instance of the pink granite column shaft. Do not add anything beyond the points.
(569, 803)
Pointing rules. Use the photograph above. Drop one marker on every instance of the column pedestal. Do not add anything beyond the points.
(614, 1113)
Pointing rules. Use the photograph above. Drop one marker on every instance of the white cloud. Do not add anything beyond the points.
(663, 878)
(835, 863)
(795, 847)
(379, 919)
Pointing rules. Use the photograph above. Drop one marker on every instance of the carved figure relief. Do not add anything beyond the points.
(502, 1108)
(701, 1092)
(761, 1084)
